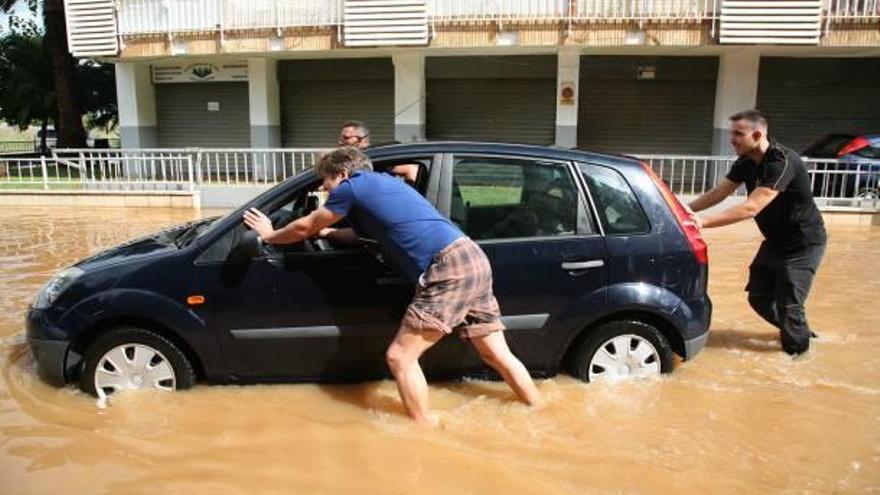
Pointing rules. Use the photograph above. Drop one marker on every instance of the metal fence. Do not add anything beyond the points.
(838, 182)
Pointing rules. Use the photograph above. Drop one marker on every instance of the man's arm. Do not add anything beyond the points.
(757, 201)
(714, 196)
(293, 232)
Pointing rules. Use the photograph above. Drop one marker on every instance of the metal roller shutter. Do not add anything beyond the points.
(670, 113)
(317, 96)
(505, 99)
(183, 119)
(806, 98)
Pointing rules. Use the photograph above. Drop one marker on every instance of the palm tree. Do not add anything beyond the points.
(68, 115)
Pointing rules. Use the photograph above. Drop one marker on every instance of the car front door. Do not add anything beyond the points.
(530, 216)
(304, 312)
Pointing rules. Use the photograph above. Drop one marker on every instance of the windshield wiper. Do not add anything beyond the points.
(188, 235)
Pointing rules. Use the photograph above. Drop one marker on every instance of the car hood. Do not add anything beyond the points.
(135, 249)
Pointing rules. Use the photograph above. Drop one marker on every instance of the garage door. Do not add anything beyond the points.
(202, 114)
(505, 99)
(647, 104)
(807, 98)
(317, 96)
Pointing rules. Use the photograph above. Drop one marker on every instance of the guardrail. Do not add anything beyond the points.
(837, 182)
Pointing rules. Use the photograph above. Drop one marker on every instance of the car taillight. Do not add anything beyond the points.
(853, 146)
(691, 231)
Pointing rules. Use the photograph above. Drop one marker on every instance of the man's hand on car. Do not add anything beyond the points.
(259, 223)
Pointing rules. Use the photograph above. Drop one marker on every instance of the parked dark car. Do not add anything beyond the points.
(852, 169)
(597, 270)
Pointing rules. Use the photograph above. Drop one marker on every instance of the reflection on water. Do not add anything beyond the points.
(741, 418)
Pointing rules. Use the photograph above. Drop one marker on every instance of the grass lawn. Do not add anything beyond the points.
(491, 195)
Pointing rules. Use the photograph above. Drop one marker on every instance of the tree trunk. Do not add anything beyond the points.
(69, 125)
(44, 150)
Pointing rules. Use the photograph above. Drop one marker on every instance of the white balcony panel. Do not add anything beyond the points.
(91, 27)
(168, 16)
(782, 22)
(488, 10)
(385, 22)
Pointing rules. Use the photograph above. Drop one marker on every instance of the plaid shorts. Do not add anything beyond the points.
(455, 294)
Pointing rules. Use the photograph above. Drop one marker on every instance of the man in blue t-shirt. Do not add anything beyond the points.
(451, 273)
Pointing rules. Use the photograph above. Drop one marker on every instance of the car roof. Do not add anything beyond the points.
(526, 150)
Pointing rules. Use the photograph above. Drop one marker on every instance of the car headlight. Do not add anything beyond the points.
(56, 286)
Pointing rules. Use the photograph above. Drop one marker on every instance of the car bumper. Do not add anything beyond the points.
(693, 346)
(50, 356)
(696, 329)
(50, 351)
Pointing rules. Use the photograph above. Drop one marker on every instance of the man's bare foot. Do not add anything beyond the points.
(429, 420)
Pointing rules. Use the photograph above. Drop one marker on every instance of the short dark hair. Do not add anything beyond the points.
(751, 115)
(346, 158)
(357, 124)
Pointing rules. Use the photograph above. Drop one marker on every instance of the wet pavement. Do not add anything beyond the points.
(740, 418)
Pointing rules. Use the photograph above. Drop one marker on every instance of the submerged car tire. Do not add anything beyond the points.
(127, 358)
(621, 349)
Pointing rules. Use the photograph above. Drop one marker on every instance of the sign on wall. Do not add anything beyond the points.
(198, 72)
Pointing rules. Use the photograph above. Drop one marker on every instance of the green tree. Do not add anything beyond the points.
(27, 93)
(69, 112)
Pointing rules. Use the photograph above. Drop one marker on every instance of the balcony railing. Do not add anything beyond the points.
(95, 26)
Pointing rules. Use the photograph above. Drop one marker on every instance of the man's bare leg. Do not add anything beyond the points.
(495, 352)
(403, 359)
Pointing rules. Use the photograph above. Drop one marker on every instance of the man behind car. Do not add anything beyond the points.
(452, 274)
(781, 202)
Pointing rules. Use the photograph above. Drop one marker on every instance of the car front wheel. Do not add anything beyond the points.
(621, 350)
(129, 358)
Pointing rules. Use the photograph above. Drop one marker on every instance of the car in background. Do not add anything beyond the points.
(598, 269)
(846, 166)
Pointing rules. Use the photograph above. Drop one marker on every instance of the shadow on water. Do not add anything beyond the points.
(744, 341)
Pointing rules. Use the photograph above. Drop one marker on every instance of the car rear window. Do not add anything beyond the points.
(616, 204)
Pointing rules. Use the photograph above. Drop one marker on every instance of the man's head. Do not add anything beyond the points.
(748, 130)
(354, 133)
(339, 164)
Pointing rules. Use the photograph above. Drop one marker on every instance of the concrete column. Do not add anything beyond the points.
(136, 100)
(264, 103)
(736, 90)
(567, 79)
(409, 97)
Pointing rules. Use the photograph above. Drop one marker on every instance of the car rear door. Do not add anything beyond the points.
(531, 218)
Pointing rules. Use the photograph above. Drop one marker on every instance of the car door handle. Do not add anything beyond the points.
(582, 265)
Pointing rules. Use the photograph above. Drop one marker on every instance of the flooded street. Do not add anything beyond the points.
(741, 418)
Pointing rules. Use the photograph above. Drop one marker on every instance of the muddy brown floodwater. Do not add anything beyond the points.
(741, 418)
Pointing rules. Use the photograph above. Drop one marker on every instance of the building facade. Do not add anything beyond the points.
(644, 76)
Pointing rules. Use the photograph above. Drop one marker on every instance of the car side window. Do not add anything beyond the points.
(502, 198)
(616, 203)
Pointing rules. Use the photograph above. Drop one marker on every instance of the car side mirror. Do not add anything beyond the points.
(248, 245)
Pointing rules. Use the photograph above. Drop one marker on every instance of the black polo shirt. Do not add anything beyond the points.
(791, 221)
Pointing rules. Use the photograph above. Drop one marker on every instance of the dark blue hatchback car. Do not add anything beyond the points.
(597, 270)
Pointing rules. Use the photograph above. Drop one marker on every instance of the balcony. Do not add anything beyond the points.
(105, 27)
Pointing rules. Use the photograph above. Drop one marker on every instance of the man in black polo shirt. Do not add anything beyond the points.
(781, 202)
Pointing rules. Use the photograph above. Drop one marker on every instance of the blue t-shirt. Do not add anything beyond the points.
(409, 230)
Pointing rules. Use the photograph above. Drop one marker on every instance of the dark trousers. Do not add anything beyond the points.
(778, 288)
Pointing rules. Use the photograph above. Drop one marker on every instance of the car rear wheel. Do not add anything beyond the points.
(129, 358)
(621, 350)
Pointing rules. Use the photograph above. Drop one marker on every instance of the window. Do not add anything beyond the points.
(499, 198)
(616, 204)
